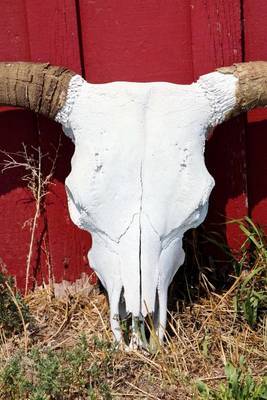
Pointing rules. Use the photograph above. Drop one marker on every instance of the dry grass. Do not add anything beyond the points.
(205, 334)
(200, 340)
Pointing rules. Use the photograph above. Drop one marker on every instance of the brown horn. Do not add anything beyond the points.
(41, 88)
(251, 89)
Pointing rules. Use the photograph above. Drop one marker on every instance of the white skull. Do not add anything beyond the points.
(139, 181)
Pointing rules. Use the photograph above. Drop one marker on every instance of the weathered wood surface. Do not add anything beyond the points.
(216, 41)
(44, 32)
(255, 48)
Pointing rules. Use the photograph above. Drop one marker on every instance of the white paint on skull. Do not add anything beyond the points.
(139, 181)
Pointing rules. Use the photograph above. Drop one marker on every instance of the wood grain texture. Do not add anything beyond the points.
(14, 45)
(216, 41)
(255, 41)
(44, 32)
(216, 34)
(57, 41)
(16, 202)
(53, 32)
(17, 127)
(68, 245)
(136, 40)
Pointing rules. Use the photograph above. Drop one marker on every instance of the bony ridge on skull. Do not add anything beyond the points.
(138, 180)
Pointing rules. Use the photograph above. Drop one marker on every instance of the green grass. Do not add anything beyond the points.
(58, 375)
(14, 313)
(239, 385)
(250, 300)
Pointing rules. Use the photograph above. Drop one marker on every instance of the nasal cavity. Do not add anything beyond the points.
(146, 328)
(125, 319)
(152, 321)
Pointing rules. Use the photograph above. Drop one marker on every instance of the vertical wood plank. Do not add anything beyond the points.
(39, 31)
(216, 34)
(14, 43)
(53, 37)
(255, 17)
(53, 33)
(16, 202)
(17, 127)
(216, 41)
(136, 40)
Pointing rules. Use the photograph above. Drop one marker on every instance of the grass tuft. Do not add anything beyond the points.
(239, 385)
(14, 312)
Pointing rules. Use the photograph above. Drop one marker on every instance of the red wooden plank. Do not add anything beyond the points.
(216, 41)
(216, 34)
(136, 40)
(16, 202)
(68, 245)
(57, 41)
(17, 127)
(255, 16)
(53, 33)
(39, 31)
(13, 27)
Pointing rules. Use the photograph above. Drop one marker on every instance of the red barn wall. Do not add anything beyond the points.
(134, 40)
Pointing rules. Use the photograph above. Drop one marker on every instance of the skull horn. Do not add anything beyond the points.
(235, 89)
(251, 88)
(41, 88)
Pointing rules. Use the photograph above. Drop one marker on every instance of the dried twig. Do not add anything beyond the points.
(37, 183)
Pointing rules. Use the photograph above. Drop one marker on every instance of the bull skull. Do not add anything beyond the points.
(138, 180)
